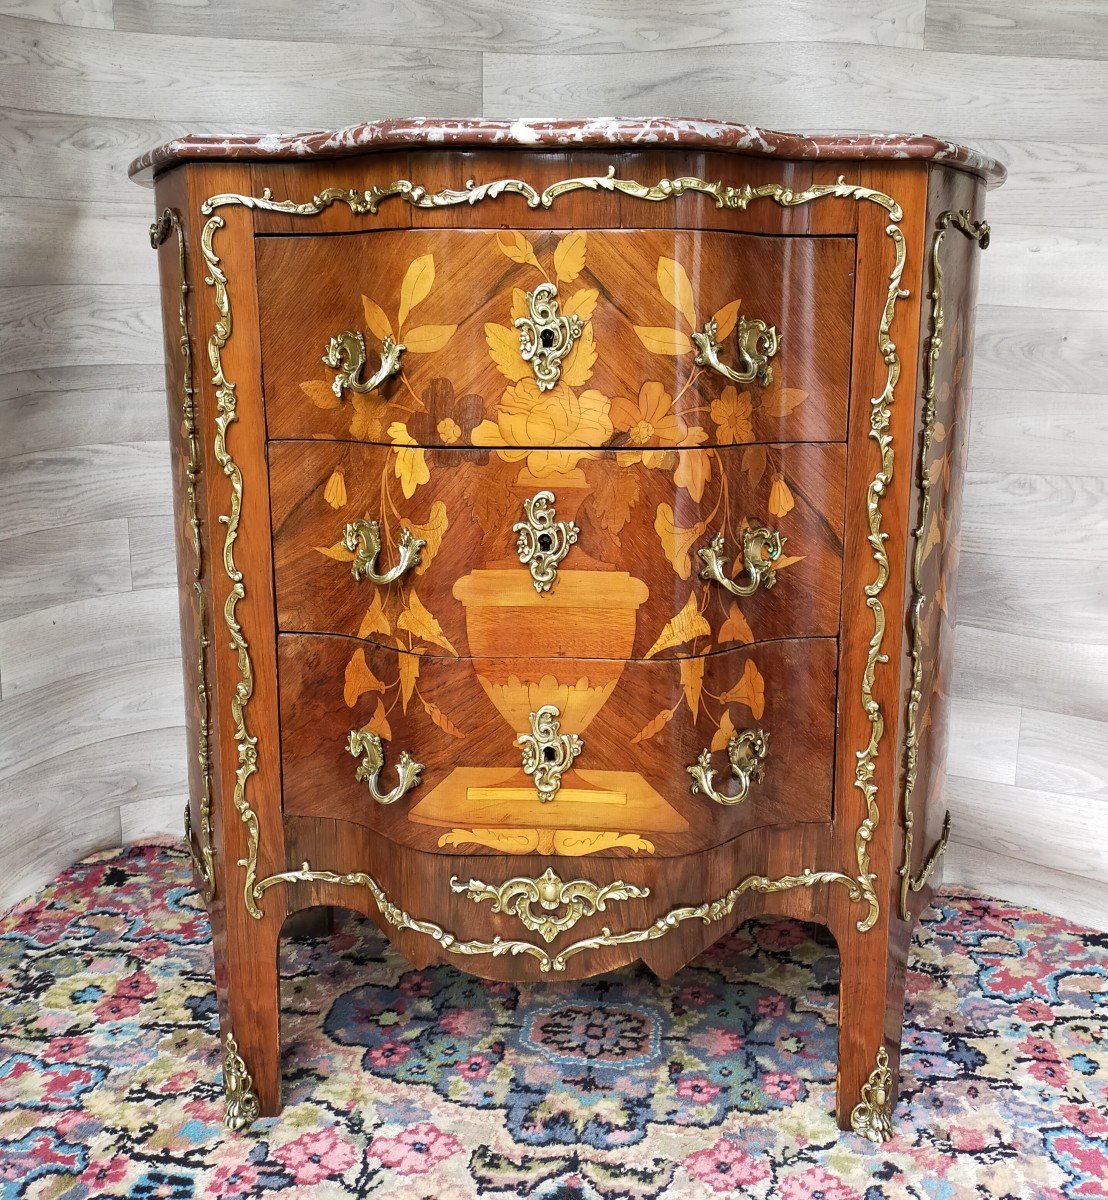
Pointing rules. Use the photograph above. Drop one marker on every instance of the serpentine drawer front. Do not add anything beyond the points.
(643, 328)
(646, 558)
(621, 739)
(566, 516)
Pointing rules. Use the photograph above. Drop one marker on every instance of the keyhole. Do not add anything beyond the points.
(547, 338)
(545, 541)
(548, 754)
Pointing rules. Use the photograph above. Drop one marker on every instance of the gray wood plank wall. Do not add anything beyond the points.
(91, 745)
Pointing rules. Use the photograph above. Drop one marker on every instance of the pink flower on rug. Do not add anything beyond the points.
(782, 1087)
(137, 984)
(695, 996)
(1056, 1073)
(1039, 1048)
(415, 985)
(771, 1006)
(718, 1042)
(782, 935)
(239, 1180)
(476, 1066)
(815, 1184)
(724, 1167)
(389, 1054)
(65, 1049)
(102, 1172)
(697, 1088)
(416, 1150)
(464, 1022)
(316, 1156)
(116, 1008)
(1034, 1012)
(1091, 1121)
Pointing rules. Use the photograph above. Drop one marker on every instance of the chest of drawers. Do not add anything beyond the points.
(566, 522)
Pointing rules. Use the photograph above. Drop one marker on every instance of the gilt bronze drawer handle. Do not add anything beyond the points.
(761, 549)
(367, 746)
(346, 354)
(545, 336)
(746, 752)
(757, 344)
(547, 752)
(576, 898)
(363, 540)
(542, 541)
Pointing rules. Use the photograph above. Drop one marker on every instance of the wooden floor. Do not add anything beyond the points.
(91, 745)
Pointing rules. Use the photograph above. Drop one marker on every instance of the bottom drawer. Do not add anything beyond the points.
(557, 756)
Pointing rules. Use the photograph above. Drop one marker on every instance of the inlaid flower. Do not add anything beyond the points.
(449, 430)
(650, 420)
(559, 417)
(731, 413)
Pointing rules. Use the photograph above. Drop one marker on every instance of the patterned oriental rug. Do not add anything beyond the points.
(415, 1085)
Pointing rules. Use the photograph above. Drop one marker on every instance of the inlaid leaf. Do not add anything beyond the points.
(675, 286)
(693, 471)
(750, 690)
(779, 402)
(725, 319)
(516, 247)
(418, 281)
(736, 627)
(577, 368)
(379, 722)
(569, 256)
(519, 303)
(653, 726)
(359, 679)
(375, 320)
(786, 560)
(367, 423)
(660, 340)
(932, 538)
(676, 540)
(338, 552)
(409, 673)
(503, 346)
(422, 624)
(687, 625)
(754, 462)
(781, 501)
(320, 393)
(612, 496)
(581, 304)
(441, 719)
(410, 465)
(375, 620)
(428, 339)
(334, 491)
(432, 533)
(692, 680)
(725, 732)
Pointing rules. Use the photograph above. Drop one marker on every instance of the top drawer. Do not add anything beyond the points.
(635, 304)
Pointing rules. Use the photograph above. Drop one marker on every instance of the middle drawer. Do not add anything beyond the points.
(629, 554)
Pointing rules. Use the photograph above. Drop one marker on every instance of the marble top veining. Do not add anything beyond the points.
(474, 132)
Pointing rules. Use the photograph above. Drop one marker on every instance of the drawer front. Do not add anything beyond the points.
(628, 308)
(629, 586)
(610, 743)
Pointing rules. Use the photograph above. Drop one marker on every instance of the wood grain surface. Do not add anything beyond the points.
(67, 132)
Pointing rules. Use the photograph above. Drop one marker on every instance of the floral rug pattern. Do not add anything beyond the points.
(415, 1085)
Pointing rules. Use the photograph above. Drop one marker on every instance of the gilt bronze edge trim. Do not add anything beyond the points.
(203, 857)
(979, 232)
(725, 196)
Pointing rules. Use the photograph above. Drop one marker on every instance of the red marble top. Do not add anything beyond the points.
(412, 132)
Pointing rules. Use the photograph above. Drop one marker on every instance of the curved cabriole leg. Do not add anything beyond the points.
(248, 990)
(871, 1016)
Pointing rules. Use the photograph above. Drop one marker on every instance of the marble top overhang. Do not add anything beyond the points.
(532, 134)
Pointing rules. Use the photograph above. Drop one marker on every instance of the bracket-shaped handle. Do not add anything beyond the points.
(746, 753)
(757, 343)
(346, 354)
(363, 540)
(366, 745)
(761, 549)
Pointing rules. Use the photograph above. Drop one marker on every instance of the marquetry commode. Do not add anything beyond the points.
(567, 515)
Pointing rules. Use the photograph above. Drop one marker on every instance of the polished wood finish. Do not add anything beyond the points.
(633, 569)
(464, 382)
(650, 663)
